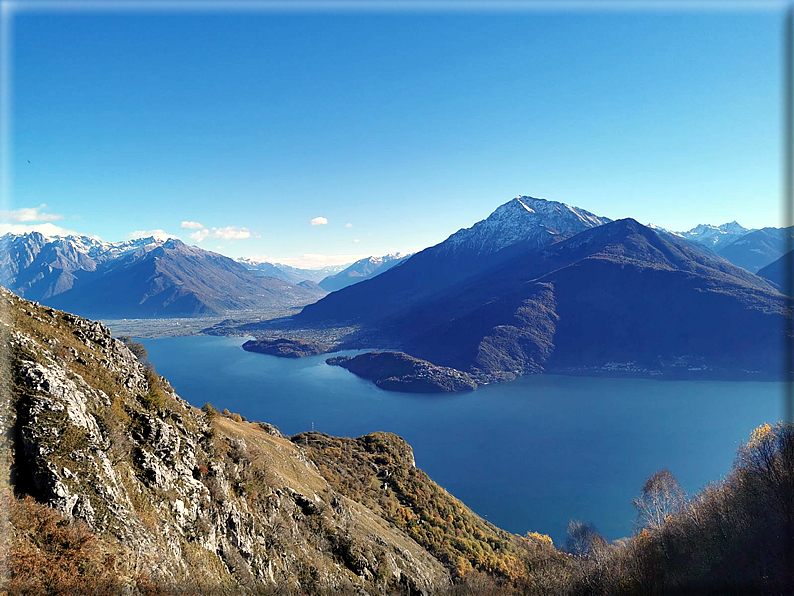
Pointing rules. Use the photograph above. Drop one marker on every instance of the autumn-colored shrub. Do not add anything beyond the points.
(734, 537)
(49, 554)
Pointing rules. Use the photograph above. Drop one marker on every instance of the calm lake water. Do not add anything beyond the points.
(527, 455)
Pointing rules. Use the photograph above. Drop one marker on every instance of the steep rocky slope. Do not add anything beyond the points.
(167, 495)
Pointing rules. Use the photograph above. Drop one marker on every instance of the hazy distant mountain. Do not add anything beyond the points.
(775, 272)
(138, 278)
(617, 297)
(361, 270)
(520, 225)
(174, 279)
(715, 237)
(758, 248)
(746, 248)
(293, 275)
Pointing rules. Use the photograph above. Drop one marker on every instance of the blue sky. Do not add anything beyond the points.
(396, 128)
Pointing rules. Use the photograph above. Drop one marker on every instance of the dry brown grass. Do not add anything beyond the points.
(49, 554)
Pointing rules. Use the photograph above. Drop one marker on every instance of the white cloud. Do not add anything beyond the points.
(319, 221)
(28, 214)
(157, 234)
(312, 261)
(348, 225)
(356, 240)
(200, 235)
(227, 233)
(191, 225)
(231, 233)
(47, 229)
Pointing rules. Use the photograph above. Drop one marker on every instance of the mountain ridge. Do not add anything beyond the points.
(613, 294)
(140, 278)
(361, 270)
(522, 224)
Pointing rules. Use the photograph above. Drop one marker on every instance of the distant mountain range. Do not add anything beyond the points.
(747, 248)
(715, 237)
(361, 270)
(758, 248)
(542, 286)
(331, 278)
(293, 275)
(145, 277)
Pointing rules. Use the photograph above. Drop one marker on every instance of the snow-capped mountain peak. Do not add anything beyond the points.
(713, 236)
(524, 218)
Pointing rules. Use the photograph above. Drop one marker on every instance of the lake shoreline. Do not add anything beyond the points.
(531, 454)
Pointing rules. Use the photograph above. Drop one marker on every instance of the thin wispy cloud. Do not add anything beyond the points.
(356, 240)
(348, 225)
(319, 221)
(191, 225)
(30, 214)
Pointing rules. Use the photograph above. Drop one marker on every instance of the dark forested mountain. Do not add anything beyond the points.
(758, 248)
(361, 270)
(776, 272)
(139, 278)
(521, 225)
(614, 298)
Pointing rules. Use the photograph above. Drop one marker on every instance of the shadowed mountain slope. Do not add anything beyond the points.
(775, 272)
(618, 293)
(361, 270)
(523, 224)
(757, 248)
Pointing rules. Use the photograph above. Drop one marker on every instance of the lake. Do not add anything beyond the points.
(527, 455)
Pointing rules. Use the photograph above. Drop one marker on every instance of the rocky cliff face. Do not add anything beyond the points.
(183, 497)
